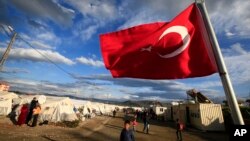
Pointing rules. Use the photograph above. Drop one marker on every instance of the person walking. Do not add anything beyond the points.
(126, 133)
(179, 128)
(114, 113)
(134, 123)
(146, 122)
(36, 112)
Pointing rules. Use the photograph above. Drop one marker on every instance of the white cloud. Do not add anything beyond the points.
(120, 89)
(4, 29)
(47, 9)
(232, 20)
(39, 39)
(238, 48)
(140, 18)
(209, 84)
(14, 70)
(104, 9)
(228, 33)
(139, 12)
(22, 82)
(96, 14)
(46, 36)
(89, 61)
(40, 45)
(237, 63)
(86, 28)
(235, 49)
(33, 55)
(3, 44)
(87, 33)
(32, 86)
(239, 68)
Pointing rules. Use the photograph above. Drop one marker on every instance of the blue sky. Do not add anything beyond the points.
(67, 32)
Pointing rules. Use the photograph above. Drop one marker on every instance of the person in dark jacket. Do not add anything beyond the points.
(146, 122)
(32, 106)
(127, 134)
(114, 113)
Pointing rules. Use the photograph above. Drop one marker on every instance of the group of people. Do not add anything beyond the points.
(145, 116)
(128, 135)
(29, 112)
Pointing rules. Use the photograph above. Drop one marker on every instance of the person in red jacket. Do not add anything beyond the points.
(179, 128)
(134, 123)
(23, 115)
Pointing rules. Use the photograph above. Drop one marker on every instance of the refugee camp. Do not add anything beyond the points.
(124, 70)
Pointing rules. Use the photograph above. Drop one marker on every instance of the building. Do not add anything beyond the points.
(200, 112)
(4, 86)
(159, 110)
(203, 116)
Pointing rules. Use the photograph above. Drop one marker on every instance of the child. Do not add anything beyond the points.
(179, 129)
(134, 123)
(36, 112)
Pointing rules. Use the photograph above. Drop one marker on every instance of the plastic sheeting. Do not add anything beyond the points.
(58, 109)
(53, 109)
(7, 95)
(6, 102)
(5, 106)
(28, 98)
(41, 99)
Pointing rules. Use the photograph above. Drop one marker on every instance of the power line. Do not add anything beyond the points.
(43, 55)
(5, 31)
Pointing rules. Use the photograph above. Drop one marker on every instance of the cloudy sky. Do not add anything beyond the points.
(67, 33)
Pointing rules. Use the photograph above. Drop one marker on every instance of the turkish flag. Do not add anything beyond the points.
(162, 50)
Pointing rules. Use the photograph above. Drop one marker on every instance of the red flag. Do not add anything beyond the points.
(177, 49)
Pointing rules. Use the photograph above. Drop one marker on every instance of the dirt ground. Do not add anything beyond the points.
(100, 128)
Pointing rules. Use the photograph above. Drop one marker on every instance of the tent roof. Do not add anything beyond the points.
(7, 95)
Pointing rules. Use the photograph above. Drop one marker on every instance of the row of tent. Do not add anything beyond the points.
(55, 109)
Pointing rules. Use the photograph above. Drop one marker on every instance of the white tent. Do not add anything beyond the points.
(79, 103)
(28, 98)
(53, 109)
(7, 95)
(6, 102)
(57, 109)
(5, 106)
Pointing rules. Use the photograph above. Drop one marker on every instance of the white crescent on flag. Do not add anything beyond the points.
(182, 30)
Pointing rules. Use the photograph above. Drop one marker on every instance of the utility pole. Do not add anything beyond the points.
(6, 53)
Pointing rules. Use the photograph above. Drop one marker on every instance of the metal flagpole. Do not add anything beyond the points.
(228, 88)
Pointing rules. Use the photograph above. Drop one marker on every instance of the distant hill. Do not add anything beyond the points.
(70, 96)
(143, 103)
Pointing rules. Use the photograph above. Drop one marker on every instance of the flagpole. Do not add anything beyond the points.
(227, 85)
